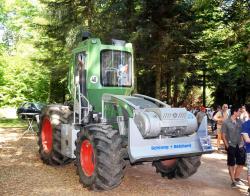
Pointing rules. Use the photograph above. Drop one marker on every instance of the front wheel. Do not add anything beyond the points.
(178, 168)
(99, 158)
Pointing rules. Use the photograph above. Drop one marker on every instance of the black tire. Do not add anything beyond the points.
(107, 157)
(50, 126)
(183, 168)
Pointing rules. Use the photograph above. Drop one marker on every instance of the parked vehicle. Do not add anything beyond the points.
(29, 108)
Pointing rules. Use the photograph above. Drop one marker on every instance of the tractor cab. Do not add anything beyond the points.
(96, 69)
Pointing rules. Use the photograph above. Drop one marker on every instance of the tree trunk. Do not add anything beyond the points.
(130, 12)
(204, 89)
(176, 92)
(90, 14)
(158, 82)
(168, 84)
(134, 77)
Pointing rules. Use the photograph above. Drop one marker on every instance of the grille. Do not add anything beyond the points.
(173, 116)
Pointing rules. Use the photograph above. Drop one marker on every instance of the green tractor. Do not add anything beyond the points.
(106, 126)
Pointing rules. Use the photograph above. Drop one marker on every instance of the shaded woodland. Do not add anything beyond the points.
(187, 52)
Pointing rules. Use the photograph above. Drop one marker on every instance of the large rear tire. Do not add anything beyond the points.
(99, 157)
(49, 135)
(181, 168)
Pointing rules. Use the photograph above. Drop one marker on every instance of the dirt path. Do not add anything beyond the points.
(22, 173)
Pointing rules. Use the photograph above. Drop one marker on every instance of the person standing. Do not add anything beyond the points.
(123, 75)
(231, 135)
(246, 136)
(220, 117)
(209, 113)
(214, 124)
(244, 116)
(200, 115)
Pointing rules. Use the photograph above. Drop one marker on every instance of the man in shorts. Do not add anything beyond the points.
(231, 135)
(246, 136)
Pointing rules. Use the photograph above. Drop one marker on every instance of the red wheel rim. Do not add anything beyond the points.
(169, 163)
(47, 135)
(87, 158)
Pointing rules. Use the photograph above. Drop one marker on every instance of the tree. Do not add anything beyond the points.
(21, 79)
(179, 46)
(224, 38)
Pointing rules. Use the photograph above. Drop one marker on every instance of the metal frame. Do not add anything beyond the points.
(107, 98)
(152, 99)
(78, 103)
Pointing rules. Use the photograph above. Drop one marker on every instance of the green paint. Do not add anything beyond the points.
(93, 47)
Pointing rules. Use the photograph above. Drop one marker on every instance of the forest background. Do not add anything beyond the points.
(187, 52)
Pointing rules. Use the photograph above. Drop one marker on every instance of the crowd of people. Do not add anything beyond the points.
(232, 126)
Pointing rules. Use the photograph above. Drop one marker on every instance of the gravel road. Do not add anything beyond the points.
(23, 173)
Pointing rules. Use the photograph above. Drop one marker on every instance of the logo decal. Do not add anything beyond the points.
(174, 146)
(174, 115)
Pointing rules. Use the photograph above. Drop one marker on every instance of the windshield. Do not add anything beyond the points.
(39, 105)
(116, 68)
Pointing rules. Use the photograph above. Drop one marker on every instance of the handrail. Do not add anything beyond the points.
(108, 98)
(81, 97)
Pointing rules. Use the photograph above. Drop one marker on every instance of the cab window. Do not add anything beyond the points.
(116, 68)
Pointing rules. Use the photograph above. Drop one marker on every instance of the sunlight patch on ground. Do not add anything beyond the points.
(14, 136)
(218, 156)
(225, 170)
(19, 151)
(9, 137)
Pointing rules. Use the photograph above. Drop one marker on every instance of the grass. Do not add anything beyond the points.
(5, 123)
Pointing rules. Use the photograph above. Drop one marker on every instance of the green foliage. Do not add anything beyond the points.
(225, 38)
(176, 43)
(21, 78)
(5, 123)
